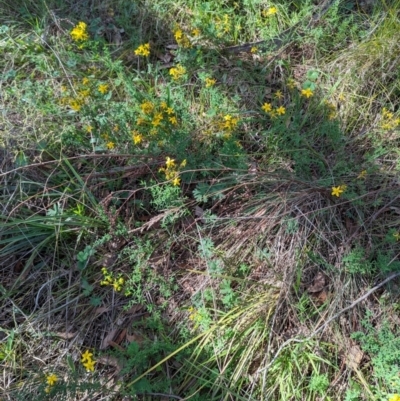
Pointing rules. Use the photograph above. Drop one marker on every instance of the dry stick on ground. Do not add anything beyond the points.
(356, 302)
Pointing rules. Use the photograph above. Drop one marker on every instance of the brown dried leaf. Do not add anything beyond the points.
(115, 345)
(120, 337)
(318, 283)
(65, 335)
(101, 310)
(322, 297)
(108, 338)
(134, 309)
(354, 357)
(137, 338)
(109, 360)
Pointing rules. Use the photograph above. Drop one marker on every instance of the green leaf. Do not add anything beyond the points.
(312, 75)
(21, 160)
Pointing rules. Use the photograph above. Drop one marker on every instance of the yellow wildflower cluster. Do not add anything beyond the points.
(221, 126)
(83, 90)
(228, 123)
(154, 116)
(51, 380)
(177, 72)
(210, 82)
(195, 316)
(181, 38)
(110, 279)
(268, 108)
(389, 120)
(87, 361)
(171, 170)
(223, 25)
(79, 32)
(395, 397)
(269, 12)
(337, 191)
(143, 50)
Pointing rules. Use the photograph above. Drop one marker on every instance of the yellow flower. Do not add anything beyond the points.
(362, 175)
(196, 32)
(103, 88)
(337, 191)
(387, 125)
(229, 123)
(177, 72)
(110, 145)
(181, 38)
(137, 137)
(270, 11)
(75, 105)
(210, 82)
(88, 128)
(147, 107)
(170, 110)
(267, 107)
(397, 237)
(89, 365)
(331, 115)
(157, 119)
(173, 120)
(279, 95)
(192, 312)
(176, 181)
(395, 397)
(87, 356)
(84, 93)
(254, 50)
(183, 164)
(307, 92)
(280, 111)
(143, 50)
(170, 162)
(291, 83)
(51, 379)
(85, 81)
(117, 284)
(79, 32)
(386, 113)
